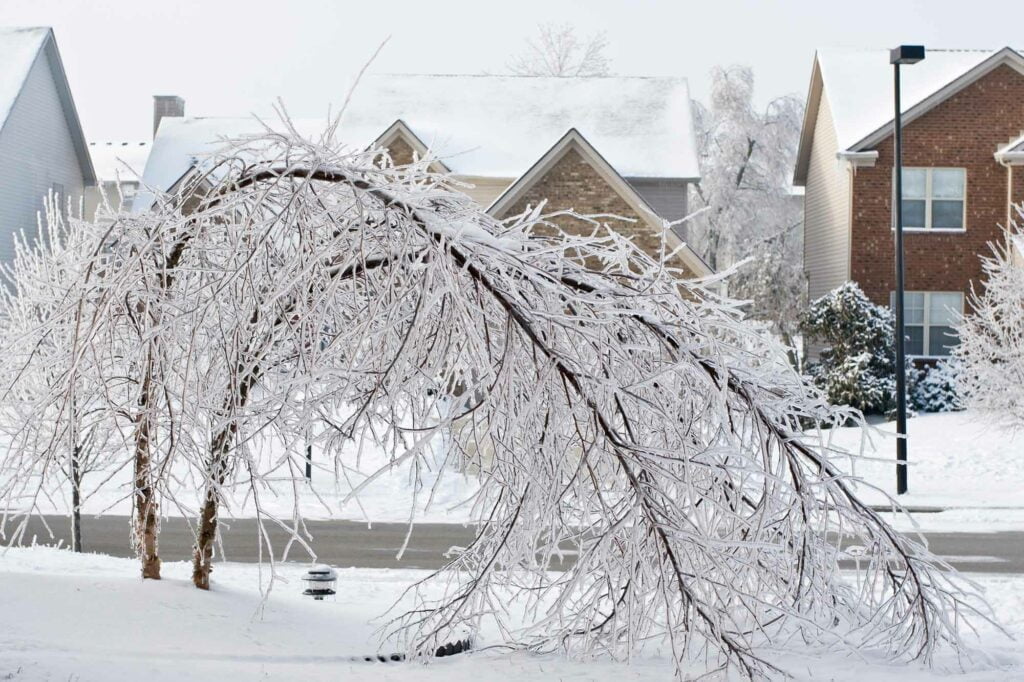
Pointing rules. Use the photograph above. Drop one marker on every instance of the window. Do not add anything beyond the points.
(933, 198)
(930, 319)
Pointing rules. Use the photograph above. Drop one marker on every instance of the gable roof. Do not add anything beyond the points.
(859, 88)
(482, 126)
(574, 140)
(20, 48)
(399, 131)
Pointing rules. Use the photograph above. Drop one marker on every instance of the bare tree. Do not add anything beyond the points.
(54, 421)
(608, 407)
(559, 51)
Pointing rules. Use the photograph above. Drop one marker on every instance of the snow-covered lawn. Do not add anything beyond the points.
(958, 460)
(86, 617)
(438, 493)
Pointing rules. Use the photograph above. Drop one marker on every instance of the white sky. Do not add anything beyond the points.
(233, 57)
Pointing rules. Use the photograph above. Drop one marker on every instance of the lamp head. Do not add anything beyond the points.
(906, 54)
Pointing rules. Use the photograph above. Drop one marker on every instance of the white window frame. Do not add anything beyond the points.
(926, 322)
(928, 199)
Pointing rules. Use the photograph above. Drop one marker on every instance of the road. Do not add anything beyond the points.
(349, 543)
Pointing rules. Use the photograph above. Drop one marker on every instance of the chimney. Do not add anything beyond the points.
(166, 105)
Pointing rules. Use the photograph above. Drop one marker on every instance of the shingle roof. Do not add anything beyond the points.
(488, 126)
(123, 161)
(859, 85)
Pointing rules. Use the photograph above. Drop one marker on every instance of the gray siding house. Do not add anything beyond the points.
(41, 143)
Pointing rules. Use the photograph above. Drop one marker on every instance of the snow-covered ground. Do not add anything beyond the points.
(438, 493)
(87, 617)
(959, 461)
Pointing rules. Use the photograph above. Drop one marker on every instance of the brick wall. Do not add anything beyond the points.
(964, 131)
(401, 152)
(572, 183)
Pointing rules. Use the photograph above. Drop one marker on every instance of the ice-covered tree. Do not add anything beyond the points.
(299, 287)
(856, 366)
(745, 197)
(55, 427)
(558, 50)
(991, 350)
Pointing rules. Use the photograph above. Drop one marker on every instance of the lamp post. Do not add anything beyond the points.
(898, 56)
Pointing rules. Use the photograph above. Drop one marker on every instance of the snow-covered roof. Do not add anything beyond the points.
(858, 85)
(18, 50)
(485, 126)
(119, 161)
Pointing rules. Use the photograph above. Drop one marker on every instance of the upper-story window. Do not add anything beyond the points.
(934, 198)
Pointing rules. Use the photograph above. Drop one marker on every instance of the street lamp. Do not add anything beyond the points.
(898, 56)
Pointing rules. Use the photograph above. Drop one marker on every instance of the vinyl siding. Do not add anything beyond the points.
(826, 210)
(485, 190)
(666, 196)
(36, 153)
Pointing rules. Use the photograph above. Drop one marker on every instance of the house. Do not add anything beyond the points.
(963, 113)
(118, 166)
(42, 148)
(622, 146)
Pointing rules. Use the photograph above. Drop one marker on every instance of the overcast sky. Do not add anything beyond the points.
(230, 57)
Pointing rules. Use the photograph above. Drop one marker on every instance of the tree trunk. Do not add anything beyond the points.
(76, 501)
(217, 471)
(145, 522)
(202, 553)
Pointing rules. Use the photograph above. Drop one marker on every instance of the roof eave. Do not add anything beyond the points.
(803, 153)
(1010, 158)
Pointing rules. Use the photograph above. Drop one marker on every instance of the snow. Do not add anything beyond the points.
(858, 84)
(481, 126)
(124, 161)
(958, 460)
(88, 617)
(18, 50)
(443, 497)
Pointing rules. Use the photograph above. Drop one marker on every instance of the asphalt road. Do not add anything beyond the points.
(349, 543)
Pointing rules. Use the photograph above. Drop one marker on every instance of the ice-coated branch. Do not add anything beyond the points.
(299, 292)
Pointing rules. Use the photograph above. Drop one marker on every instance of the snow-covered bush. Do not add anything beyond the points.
(934, 388)
(856, 367)
(991, 350)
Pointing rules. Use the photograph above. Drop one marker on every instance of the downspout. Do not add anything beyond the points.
(1009, 160)
(1009, 191)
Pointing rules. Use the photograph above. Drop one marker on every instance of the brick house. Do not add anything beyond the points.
(622, 146)
(963, 113)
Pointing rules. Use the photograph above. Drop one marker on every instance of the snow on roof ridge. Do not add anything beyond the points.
(928, 50)
(482, 126)
(391, 74)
